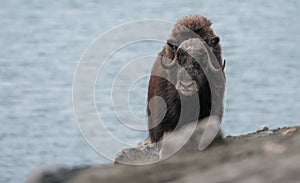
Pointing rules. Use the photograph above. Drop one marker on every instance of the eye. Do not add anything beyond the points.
(196, 65)
(180, 61)
(182, 56)
(173, 45)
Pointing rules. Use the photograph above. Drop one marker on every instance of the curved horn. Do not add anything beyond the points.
(166, 65)
(211, 66)
(224, 64)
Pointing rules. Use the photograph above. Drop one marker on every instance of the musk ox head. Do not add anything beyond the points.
(191, 64)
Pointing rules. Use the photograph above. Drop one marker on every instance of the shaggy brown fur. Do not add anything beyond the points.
(159, 86)
(198, 24)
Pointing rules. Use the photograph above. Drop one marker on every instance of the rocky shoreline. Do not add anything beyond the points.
(264, 156)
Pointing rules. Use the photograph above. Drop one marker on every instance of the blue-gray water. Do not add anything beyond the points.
(42, 41)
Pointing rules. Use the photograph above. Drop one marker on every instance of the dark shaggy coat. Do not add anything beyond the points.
(159, 86)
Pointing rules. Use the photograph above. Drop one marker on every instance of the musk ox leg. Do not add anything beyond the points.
(207, 129)
(157, 108)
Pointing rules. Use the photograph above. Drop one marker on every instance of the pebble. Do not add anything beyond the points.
(262, 128)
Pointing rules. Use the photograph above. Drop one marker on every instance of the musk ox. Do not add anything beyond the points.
(177, 77)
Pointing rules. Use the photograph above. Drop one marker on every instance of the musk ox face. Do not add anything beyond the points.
(189, 74)
(185, 69)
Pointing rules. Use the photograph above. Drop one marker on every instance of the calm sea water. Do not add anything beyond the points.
(41, 44)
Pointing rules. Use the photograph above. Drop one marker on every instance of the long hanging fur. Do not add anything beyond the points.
(159, 86)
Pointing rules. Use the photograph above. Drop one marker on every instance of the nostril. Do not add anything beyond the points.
(186, 84)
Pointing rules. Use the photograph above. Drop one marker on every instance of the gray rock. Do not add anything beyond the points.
(272, 158)
(189, 138)
(55, 174)
(262, 128)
